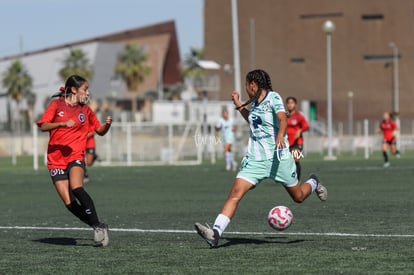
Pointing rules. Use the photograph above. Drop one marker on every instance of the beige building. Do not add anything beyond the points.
(286, 39)
(159, 41)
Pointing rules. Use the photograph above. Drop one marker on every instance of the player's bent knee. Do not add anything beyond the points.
(298, 199)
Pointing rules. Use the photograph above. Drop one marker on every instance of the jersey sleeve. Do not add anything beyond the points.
(49, 114)
(277, 103)
(381, 126)
(93, 121)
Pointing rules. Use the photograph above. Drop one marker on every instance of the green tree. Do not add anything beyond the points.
(132, 67)
(76, 62)
(190, 67)
(18, 84)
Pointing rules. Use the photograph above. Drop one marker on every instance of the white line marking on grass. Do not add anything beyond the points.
(329, 234)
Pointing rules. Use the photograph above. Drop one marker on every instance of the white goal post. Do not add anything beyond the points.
(131, 144)
(137, 144)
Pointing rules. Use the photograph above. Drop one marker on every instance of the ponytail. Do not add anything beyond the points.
(72, 81)
(61, 92)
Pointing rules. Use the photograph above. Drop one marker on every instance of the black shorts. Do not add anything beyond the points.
(58, 174)
(391, 141)
(296, 146)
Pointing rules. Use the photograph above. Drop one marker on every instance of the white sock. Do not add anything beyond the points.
(228, 158)
(231, 157)
(313, 183)
(221, 223)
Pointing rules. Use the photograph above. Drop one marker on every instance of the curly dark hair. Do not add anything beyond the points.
(262, 79)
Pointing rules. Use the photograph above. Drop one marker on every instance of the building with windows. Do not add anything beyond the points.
(159, 42)
(286, 39)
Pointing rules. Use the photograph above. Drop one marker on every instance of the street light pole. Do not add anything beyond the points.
(350, 113)
(236, 48)
(329, 28)
(396, 96)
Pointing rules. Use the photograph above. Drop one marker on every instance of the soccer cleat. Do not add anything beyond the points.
(320, 190)
(386, 164)
(234, 166)
(228, 167)
(397, 154)
(210, 235)
(85, 177)
(101, 236)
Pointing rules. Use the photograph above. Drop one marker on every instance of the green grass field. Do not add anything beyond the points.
(365, 227)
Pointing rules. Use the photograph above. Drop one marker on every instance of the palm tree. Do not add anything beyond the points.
(76, 62)
(190, 67)
(191, 70)
(18, 85)
(132, 68)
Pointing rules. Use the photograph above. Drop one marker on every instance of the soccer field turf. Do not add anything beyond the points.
(365, 227)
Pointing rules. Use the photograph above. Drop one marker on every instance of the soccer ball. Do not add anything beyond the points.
(280, 217)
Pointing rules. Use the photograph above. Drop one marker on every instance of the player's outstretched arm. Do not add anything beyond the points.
(280, 139)
(104, 128)
(243, 111)
(48, 126)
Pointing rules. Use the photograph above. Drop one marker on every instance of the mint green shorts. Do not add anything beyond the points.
(228, 139)
(282, 171)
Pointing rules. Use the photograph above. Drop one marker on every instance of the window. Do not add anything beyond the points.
(372, 16)
(380, 57)
(321, 15)
(297, 60)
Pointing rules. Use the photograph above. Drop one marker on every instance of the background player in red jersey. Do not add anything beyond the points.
(68, 120)
(389, 130)
(297, 124)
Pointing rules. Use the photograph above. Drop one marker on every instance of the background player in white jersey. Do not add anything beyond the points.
(227, 127)
(267, 155)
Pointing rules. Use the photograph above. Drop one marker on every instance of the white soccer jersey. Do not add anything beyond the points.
(264, 127)
(226, 127)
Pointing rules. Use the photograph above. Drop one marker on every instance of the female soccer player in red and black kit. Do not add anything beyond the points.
(297, 124)
(68, 120)
(388, 128)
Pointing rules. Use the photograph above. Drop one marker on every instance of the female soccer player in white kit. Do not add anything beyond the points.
(267, 155)
(226, 125)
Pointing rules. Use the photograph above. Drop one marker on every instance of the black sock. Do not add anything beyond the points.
(78, 211)
(298, 169)
(87, 205)
(385, 156)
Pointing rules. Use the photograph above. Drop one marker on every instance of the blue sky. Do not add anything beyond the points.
(45, 23)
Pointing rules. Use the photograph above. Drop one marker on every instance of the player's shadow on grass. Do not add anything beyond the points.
(267, 240)
(63, 241)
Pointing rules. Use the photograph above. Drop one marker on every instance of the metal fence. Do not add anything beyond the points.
(190, 143)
